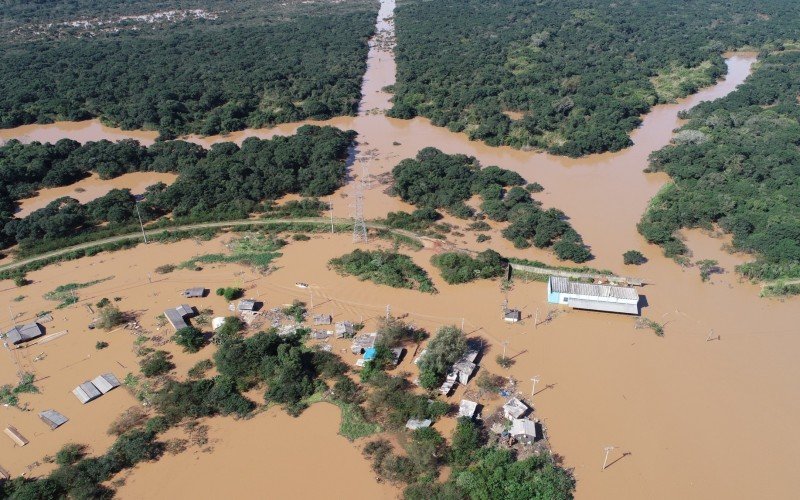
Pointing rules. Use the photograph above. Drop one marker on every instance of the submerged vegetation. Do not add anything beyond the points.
(248, 64)
(572, 76)
(222, 183)
(436, 180)
(458, 267)
(736, 164)
(384, 268)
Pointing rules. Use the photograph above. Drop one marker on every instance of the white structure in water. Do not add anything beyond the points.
(607, 298)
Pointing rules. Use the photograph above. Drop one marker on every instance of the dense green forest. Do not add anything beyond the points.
(570, 76)
(227, 181)
(437, 180)
(246, 64)
(736, 163)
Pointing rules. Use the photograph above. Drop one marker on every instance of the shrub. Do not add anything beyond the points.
(483, 237)
(21, 280)
(300, 237)
(633, 257)
(70, 453)
(165, 269)
(200, 368)
(230, 293)
(130, 418)
(489, 382)
(466, 441)
(100, 345)
(190, 338)
(103, 302)
(457, 267)
(157, 363)
(504, 361)
(110, 317)
(384, 268)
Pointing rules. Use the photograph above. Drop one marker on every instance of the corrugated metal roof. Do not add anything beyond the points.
(24, 333)
(601, 305)
(53, 418)
(86, 392)
(514, 408)
(194, 292)
(175, 318)
(523, 427)
(105, 382)
(564, 285)
(467, 408)
(418, 424)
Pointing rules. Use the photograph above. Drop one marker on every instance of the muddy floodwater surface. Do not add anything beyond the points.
(708, 410)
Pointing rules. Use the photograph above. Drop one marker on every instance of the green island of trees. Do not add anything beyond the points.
(459, 267)
(224, 182)
(437, 180)
(572, 76)
(384, 268)
(246, 64)
(736, 164)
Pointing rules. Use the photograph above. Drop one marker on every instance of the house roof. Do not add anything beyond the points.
(523, 427)
(194, 292)
(247, 305)
(564, 285)
(175, 316)
(105, 382)
(467, 408)
(53, 418)
(513, 314)
(24, 333)
(515, 408)
(414, 424)
(86, 392)
(322, 319)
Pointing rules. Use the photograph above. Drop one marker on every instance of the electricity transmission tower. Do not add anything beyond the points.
(359, 225)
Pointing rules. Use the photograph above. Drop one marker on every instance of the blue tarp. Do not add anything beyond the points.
(370, 354)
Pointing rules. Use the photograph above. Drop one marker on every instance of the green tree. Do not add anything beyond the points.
(190, 338)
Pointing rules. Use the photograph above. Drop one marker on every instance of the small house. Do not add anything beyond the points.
(323, 319)
(523, 430)
(177, 316)
(467, 408)
(86, 392)
(320, 334)
(106, 382)
(25, 333)
(15, 436)
(606, 298)
(414, 424)
(194, 293)
(397, 353)
(344, 329)
(514, 409)
(512, 316)
(247, 305)
(363, 342)
(53, 418)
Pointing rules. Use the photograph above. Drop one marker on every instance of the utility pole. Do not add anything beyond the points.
(312, 299)
(388, 311)
(462, 324)
(608, 450)
(330, 206)
(710, 334)
(505, 344)
(534, 380)
(359, 224)
(536, 319)
(141, 225)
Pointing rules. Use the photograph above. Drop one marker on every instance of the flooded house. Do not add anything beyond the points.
(193, 293)
(86, 392)
(512, 316)
(414, 424)
(323, 319)
(363, 342)
(514, 409)
(344, 329)
(467, 408)
(523, 430)
(21, 334)
(106, 382)
(247, 305)
(606, 298)
(176, 316)
(53, 419)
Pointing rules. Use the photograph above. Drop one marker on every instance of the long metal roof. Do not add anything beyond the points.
(24, 333)
(564, 285)
(602, 305)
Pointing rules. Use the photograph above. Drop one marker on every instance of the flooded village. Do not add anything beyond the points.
(555, 363)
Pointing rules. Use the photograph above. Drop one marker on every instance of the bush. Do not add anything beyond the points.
(21, 280)
(100, 345)
(300, 237)
(70, 453)
(504, 361)
(190, 338)
(489, 382)
(129, 419)
(457, 267)
(633, 257)
(466, 441)
(483, 237)
(230, 293)
(157, 363)
(384, 268)
(347, 391)
(103, 302)
(200, 368)
(297, 311)
(165, 269)
(110, 317)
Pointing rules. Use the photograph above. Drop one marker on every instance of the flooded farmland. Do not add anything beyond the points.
(690, 415)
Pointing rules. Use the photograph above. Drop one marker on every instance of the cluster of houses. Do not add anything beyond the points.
(522, 429)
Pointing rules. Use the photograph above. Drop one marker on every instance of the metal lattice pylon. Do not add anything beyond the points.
(359, 224)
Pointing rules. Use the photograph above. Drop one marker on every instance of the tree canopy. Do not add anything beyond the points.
(570, 76)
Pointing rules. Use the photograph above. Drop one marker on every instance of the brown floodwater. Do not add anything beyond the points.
(708, 410)
(92, 188)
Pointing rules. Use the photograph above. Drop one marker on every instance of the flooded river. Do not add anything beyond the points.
(709, 410)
